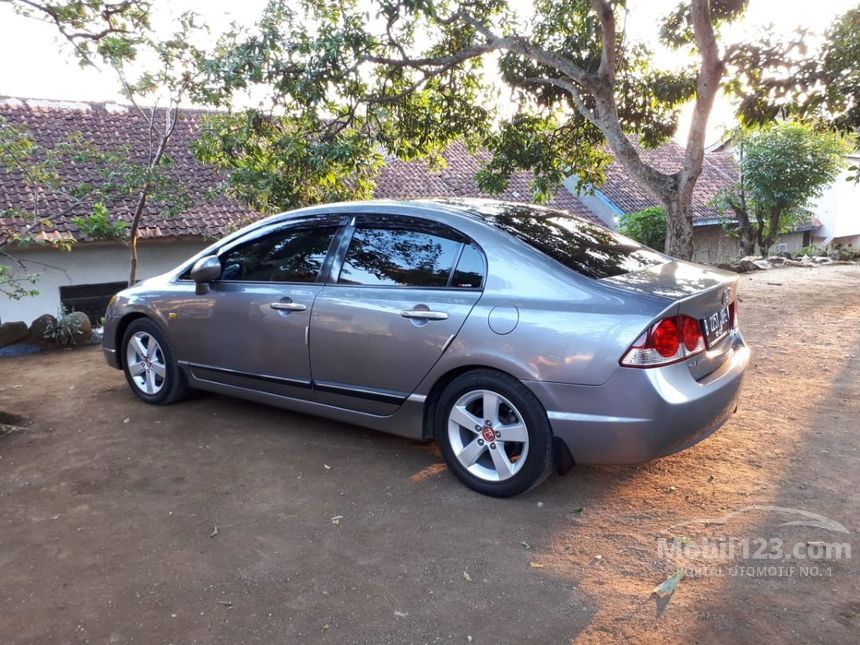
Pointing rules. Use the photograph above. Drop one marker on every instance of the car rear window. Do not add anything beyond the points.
(587, 248)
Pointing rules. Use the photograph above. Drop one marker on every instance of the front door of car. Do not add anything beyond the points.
(250, 330)
(398, 295)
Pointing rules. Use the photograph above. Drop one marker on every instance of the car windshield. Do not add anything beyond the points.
(589, 249)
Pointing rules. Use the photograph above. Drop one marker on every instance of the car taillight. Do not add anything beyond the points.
(733, 315)
(667, 341)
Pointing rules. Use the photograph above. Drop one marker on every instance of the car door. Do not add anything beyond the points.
(250, 330)
(400, 290)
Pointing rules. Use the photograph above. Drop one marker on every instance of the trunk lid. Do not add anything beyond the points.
(694, 290)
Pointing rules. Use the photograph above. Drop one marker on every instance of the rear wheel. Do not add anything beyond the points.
(149, 365)
(494, 434)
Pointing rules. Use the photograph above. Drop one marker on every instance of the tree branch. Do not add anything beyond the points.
(706, 89)
(606, 71)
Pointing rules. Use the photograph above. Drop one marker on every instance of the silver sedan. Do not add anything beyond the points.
(520, 338)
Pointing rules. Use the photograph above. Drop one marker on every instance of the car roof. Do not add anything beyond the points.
(475, 209)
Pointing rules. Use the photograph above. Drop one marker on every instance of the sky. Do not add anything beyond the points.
(36, 68)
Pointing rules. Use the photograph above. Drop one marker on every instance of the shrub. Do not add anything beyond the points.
(647, 226)
(64, 329)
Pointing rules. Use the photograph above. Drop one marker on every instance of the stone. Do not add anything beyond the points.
(762, 264)
(84, 327)
(747, 264)
(38, 328)
(12, 332)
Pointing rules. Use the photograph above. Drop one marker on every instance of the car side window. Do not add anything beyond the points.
(399, 256)
(287, 255)
(469, 273)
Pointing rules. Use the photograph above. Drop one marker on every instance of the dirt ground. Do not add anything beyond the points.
(335, 534)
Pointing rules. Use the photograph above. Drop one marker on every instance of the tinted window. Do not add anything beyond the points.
(578, 244)
(469, 273)
(399, 257)
(288, 255)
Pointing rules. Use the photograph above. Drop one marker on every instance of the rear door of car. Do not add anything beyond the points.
(251, 329)
(399, 291)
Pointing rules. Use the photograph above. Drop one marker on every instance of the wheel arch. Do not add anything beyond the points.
(121, 326)
(439, 385)
(562, 458)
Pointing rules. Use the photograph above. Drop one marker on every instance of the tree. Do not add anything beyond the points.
(419, 74)
(777, 78)
(783, 167)
(94, 28)
(171, 80)
(647, 226)
(115, 33)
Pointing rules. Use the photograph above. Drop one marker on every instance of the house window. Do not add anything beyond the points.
(91, 299)
(779, 248)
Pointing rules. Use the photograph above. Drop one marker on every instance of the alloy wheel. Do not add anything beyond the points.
(488, 435)
(145, 361)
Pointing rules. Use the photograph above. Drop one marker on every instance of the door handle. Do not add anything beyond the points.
(288, 306)
(419, 314)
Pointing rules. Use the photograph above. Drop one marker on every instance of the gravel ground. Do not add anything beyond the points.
(219, 521)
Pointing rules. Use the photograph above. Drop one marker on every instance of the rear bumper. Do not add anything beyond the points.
(642, 414)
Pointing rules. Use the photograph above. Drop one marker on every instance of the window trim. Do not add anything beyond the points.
(370, 220)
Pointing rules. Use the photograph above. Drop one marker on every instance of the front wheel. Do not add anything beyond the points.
(494, 433)
(149, 365)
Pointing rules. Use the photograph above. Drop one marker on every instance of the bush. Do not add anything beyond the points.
(811, 251)
(63, 330)
(647, 226)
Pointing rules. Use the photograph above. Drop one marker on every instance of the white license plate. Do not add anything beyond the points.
(716, 325)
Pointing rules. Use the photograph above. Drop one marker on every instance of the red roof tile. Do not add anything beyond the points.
(415, 179)
(719, 172)
(109, 127)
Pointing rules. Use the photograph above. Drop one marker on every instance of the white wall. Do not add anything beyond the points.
(839, 209)
(88, 264)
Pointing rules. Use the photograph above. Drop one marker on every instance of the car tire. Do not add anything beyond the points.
(480, 455)
(150, 366)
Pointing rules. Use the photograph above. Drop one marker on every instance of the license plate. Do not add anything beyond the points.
(716, 325)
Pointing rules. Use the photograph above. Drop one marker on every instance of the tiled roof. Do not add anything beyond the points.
(415, 179)
(719, 171)
(108, 127)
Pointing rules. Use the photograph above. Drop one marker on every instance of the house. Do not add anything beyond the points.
(620, 194)
(85, 277)
(838, 209)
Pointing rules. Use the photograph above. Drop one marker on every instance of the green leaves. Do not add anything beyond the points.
(788, 164)
(99, 226)
(109, 29)
(278, 163)
(647, 226)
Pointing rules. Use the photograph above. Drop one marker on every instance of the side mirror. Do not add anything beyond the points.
(205, 270)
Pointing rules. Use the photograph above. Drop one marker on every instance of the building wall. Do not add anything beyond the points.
(838, 208)
(711, 245)
(88, 264)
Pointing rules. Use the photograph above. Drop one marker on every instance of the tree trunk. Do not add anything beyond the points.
(759, 234)
(135, 225)
(771, 232)
(679, 226)
(745, 231)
